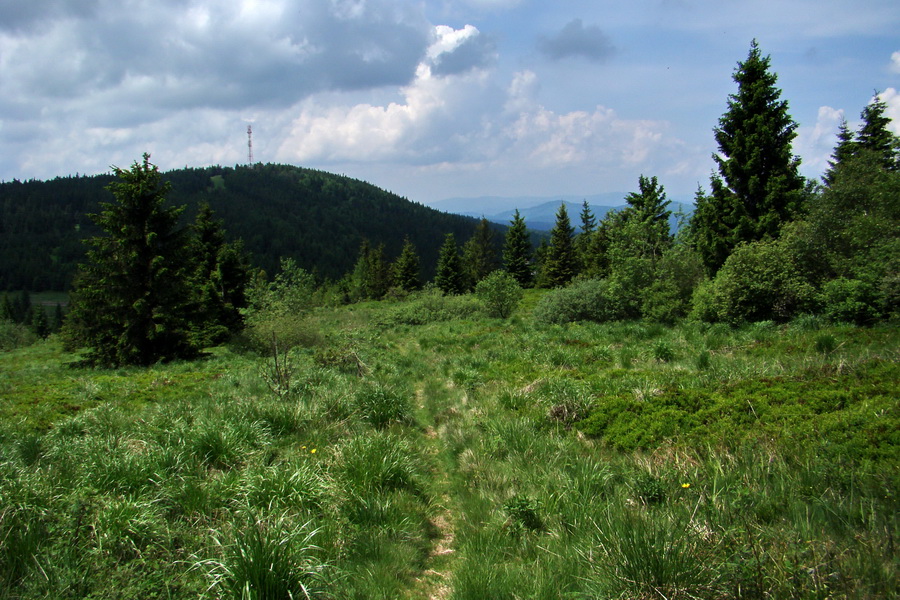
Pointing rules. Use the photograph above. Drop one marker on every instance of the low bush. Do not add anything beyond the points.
(500, 293)
(431, 306)
(585, 300)
(849, 301)
(758, 282)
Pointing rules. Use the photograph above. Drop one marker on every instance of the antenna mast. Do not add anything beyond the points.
(250, 144)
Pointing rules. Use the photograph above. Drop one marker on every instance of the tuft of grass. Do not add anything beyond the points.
(270, 557)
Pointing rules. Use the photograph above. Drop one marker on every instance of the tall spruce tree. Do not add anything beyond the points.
(449, 277)
(758, 187)
(875, 135)
(517, 252)
(561, 263)
(132, 298)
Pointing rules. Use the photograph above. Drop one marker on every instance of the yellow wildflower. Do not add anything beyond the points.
(685, 485)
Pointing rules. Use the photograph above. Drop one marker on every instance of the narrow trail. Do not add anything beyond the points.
(436, 580)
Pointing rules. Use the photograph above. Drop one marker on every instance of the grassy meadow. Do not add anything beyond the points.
(420, 449)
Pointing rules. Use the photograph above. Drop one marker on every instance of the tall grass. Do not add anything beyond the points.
(470, 459)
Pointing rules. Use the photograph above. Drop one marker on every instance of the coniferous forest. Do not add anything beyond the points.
(272, 382)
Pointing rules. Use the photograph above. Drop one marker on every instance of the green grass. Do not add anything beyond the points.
(467, 458)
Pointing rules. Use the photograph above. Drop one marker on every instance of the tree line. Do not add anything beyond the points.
(763, 244)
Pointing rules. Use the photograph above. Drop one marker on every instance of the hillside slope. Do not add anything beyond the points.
(318, 218)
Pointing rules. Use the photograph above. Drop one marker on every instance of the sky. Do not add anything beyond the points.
(429, 99)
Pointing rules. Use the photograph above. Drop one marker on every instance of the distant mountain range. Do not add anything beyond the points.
(539, 212)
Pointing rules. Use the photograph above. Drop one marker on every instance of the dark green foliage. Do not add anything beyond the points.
(407, 273)
(849, 301)
(561, 262)
(317, 218)
(875, 135)
(517, 252)
(637, 238)
(758, 187)
(133, 297)
(449, 277)
(221, 277)
(677, 274)
(758, 282)
(371, 277)
(480, 253)
(500, 293)
(649, 208)
(588, 220)
(850, 233)
(40, 324)
(524, 513)
(845, 148)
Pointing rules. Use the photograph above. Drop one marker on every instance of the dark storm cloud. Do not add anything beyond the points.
(475, 51)
(172, 54)
(578, 40)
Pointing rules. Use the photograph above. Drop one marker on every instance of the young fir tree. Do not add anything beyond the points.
(479, 254)
(517, 252)
(845, 148)
(39, 323)
(132, 298)
(649, 208)
(561, 262)
(406, 268)
(221, 277)
(449, 277)
(758, 187)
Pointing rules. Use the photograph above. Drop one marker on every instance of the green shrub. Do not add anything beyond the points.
(14, 335)
(500, 293)
(758, 282)
(849, 301)
(523, 513)
(431, 306)
(289, 331)
(663, 351)
(585, 300)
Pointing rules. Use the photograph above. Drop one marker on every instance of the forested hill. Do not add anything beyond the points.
(317, 218)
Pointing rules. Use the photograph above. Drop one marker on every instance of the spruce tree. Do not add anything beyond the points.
(132, 298)
(874, 135)
(560, 265)
(479, 254)
(39, 323)
(845, 148)
(449, 278)
(758, 187)
(222, 274)
(407, 268)
(517, 252)
(649, 208)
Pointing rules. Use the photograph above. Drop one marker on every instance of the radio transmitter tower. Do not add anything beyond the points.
(250, 144)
